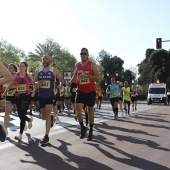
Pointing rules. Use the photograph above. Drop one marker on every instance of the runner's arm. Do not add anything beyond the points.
(7, 75)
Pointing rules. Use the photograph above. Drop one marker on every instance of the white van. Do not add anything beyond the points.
(157, 93)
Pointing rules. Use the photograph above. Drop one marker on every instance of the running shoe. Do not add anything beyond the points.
(83, 132)
(57, 121)
(45, 140)
(19, 137)
(52, 120)
(135, 108)
(2, 134)
(30, 123)
(87, 125)
(116, 116)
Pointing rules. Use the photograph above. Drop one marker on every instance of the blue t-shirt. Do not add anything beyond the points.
(114, 90)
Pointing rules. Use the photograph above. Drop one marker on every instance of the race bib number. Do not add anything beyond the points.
(74, 89)
(46, 84)
(21, 87)
(114, 95)
(84, 80)
(10, 93)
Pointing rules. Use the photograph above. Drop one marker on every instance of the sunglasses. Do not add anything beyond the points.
(83, 53)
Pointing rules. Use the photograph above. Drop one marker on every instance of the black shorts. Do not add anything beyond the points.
(61, 98)
(67, 98)
(126, 102)
(47, 101)
(73, 97)
(87, 98)
(133, 98)
(35, 98)
(114, 100)
(10, 99)
(120, 99)
(99, 98)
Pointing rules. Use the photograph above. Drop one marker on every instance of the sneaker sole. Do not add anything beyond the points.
(18, 139)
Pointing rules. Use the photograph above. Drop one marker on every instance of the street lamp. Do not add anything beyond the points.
(107, 74)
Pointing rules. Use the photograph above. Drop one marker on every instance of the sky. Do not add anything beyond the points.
(123, 28)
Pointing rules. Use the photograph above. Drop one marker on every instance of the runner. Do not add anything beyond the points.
(86, 72)
(67, 97)
(168, 95)
(45, 79)
(121, 98)
(55, 106)
(22, 96)
(2, 89)
(34, 100)
(7, 77)
(134, 95)
(61, 98)
(126, 92)
(113, 90)
(73, 89)
(99, 91)
(9, 95)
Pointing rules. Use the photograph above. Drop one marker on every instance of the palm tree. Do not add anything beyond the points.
(50, 47)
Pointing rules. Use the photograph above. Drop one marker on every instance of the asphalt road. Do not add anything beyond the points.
(141, 141)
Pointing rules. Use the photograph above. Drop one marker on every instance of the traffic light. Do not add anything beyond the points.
(158, 43)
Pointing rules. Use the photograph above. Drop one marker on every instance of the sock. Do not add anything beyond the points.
(81, 124)
(91, 127)
(86, 115)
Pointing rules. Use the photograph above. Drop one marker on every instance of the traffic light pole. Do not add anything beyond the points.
(159, 43)
(166, 41)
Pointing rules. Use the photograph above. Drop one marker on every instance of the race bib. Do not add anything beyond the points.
(84, 80)
(21, 87)
(46, 84)
(74, 89)
(114, 95)
(10, 93)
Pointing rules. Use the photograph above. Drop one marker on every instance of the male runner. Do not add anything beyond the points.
(45, 79)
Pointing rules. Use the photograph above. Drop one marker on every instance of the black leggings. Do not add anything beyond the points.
(22, 104)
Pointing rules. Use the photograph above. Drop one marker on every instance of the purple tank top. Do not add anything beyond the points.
(47, 89)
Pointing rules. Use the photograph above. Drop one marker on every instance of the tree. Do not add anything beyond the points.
(50, 47)
(145, 69)
(10, 54)
(61, 58)
(128, 76)
(160, 64)
(112, 65)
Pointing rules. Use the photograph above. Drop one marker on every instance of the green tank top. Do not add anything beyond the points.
(126, 93)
